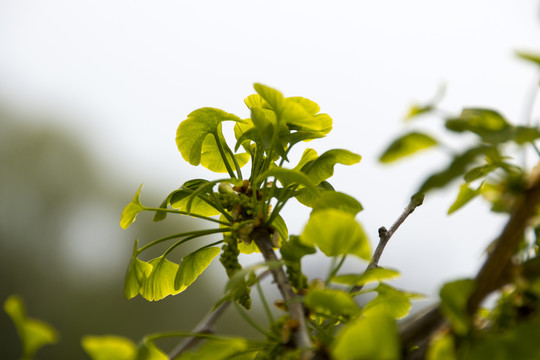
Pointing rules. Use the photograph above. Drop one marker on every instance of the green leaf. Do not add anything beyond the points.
(193, 131)
(532, 57)
(109, 347)
(182, 201)
(311, 107)
(160, 282)
(308, 198)
(336, 232)
(33, 333)
(193, 265)
(308, 156)
(465, 195)
(389, 301)
(322, 168)
(524, 134)
(480, 172)
(373, 337)
(293, 250)
(442, 348)
(289, 177)
(331, 302)
(458, 166)
(216, 350)
(416, 110)
(272, 97)
(406, 145)
(491, 126)
(454, 296)
(131, 210)
(337, 200)
(211, 157)
(371, 275)
(147, 350)
(136, 274)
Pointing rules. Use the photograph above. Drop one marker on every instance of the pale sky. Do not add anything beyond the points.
(119, 76)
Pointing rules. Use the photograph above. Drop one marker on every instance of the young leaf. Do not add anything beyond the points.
(371, 275)
(331, 302)
(465, 195)
(293, 249)
(211, 157)
(311, 107)
(136, 274)
(491, 126)
(322, 168)
(374, 337)
(34, 334)
(216, 350)
(160, 282)
(336, 232)
(308, 156)
(534, 58)
(109, 347)
(480, 172)
(193, 131)
(147, 350)
(337, 200)
(389, 301)
(193, 265)
(181, 198)
(289, 177)
(131, 210)
(454, 296)
(442, 348)
(406, 145)
(524, 134)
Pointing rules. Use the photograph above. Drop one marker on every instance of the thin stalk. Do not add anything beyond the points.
(265, 303)
(252, 322)
(334, 268)
(178, 243)
(173, 211)
(223, 156)
(236, 165)
(175, 236)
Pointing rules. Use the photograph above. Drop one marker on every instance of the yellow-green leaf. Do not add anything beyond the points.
(406, 145)
(160, 282)
(331, 302)
(33, 333)
(465, 195)
(372, 275)
(131, 210)
(322, 168)
(336, 232)
(147, 350)
(389, 301)
(193, 265)
(109, 347)
(136, 274)
(216, 350)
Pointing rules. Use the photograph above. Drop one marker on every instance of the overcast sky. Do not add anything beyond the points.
(119, 76)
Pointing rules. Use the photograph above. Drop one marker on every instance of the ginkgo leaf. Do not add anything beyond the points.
(33, 333)
(322, 167)
(216, 350)
(336, 232)
(331, 302)
(131, 210)
(147, 350)
(136, 274)
(389, 301)
(181, 198)
(160, 282)
(406, 145)
(193, 131)
(193, 265)
(454, 296)
(371, 275)
(211, 157)
(337, 200)
(109, 347)
(289, 177)
(465, 195)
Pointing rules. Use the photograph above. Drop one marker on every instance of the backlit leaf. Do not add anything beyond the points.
(374, 337)
(211, 157)
(331, 302)
(33, 333)
(337, 200)
(322, 168)
(131, 210)
(406, 145)
(465, 195)
(147, 350)
(193, 265)
(216, 350)
(181, 198)
(193, 131)
(136, 274)
(289, 177)
(160, 282)
(454, 296)
(389, 301)
(372, 275)
(336, 232)
(109, 347)
(293, 249)
(524, 134)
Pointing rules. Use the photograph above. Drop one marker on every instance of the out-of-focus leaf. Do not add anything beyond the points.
(454, 296)
(308, 156)
(372, 275)
(417, 109)
(216, 350)
(442, 348)
(389, 301)
(131, 210)
(524, 134)
(491, 126)
(160, 282)
(136, 274)
(532, 57)
(180, 200)
(193, 265)
(289, 177)
(406, 145)
(147, 350)
(331, 302)
(322, 168)
(337, 200)
(193, 131)
(293, 250)
(480, 172)
(373, 337)
(109, 347)
(336, 232)
(465, 195)
(33, 333)
(308, 198)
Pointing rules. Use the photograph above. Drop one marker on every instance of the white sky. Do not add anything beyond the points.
(121, 75)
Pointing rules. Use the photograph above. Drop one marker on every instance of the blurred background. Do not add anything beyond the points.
(91, 94)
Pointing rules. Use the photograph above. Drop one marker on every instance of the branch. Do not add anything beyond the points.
(262, 237)
(385, 235)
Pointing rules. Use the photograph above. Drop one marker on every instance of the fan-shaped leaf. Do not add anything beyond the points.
(193, 265)
(337, 200)
(131, 210)
(322, 168)
(136, 274)
(160, 282)
(331, 302)
(389, 301)
(465, 195)
(371, 275)
(406, 145)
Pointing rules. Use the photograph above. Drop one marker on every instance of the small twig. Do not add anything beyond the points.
(262, 238)
(385, 235)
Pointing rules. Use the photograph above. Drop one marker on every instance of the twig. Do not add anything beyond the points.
(262, 237)
(385, 235)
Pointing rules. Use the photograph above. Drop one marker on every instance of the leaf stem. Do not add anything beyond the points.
(252, 322)
(174, 211)
(223, 155)
(175, 236)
